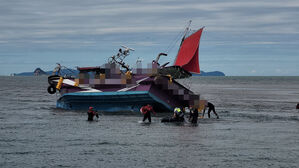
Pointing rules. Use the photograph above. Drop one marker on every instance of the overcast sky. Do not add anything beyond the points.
(257, 37)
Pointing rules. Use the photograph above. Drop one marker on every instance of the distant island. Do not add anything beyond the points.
(36, 72)
(213, 73)
(40, 72)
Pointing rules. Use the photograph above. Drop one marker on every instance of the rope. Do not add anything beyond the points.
(177, 38)
(174, 42)
(68, 69)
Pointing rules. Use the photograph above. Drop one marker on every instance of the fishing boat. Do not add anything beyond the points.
(116, 87)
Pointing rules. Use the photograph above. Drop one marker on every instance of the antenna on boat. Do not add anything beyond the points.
(120, 56)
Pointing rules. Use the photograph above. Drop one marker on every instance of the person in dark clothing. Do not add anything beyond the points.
(297, 107)
(91, 113)
(193, 115)
(146, 111)
(211, 108)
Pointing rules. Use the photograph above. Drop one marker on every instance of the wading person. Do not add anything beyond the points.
(211, 108)
(193, 115)
(146, 111)
(178, 114)
(91, 113)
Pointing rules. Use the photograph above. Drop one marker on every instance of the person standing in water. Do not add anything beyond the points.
(91, 113)
(211, 108)
(193, 115)
(146, 111)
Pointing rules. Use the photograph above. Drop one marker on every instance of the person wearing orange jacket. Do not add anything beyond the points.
(91, 113)
(146, 111)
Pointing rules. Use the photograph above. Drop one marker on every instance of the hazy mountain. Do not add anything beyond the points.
(213, 73)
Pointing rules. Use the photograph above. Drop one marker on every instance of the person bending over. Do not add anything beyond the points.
(211, 108)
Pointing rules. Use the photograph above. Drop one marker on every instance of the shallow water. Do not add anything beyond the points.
(258, 127)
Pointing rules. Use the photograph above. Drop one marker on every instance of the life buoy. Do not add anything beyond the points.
(51, 78)
(51, 89)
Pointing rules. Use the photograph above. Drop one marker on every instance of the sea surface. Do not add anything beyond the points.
(258, 127)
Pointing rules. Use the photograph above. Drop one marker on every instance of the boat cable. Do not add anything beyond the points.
(174, 42)
(178, 37)
(71, 70)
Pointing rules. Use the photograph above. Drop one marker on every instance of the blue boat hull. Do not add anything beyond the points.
(129, 101)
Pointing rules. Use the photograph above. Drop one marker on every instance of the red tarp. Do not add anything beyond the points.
(187, 57)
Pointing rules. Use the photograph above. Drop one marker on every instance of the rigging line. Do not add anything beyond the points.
(170, 49)
(180, 34)
(173, 42)
(68, 69)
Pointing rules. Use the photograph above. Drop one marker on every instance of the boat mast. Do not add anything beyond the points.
(187, 29)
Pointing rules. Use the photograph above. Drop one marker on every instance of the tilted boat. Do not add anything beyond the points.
(115, 86)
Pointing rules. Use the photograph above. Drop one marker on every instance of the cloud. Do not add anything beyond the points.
(53, 18)
(233, 27)
(263, 43)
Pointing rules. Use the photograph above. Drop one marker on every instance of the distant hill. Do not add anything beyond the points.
(36, 72)
(40, 72)
(213, 73)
